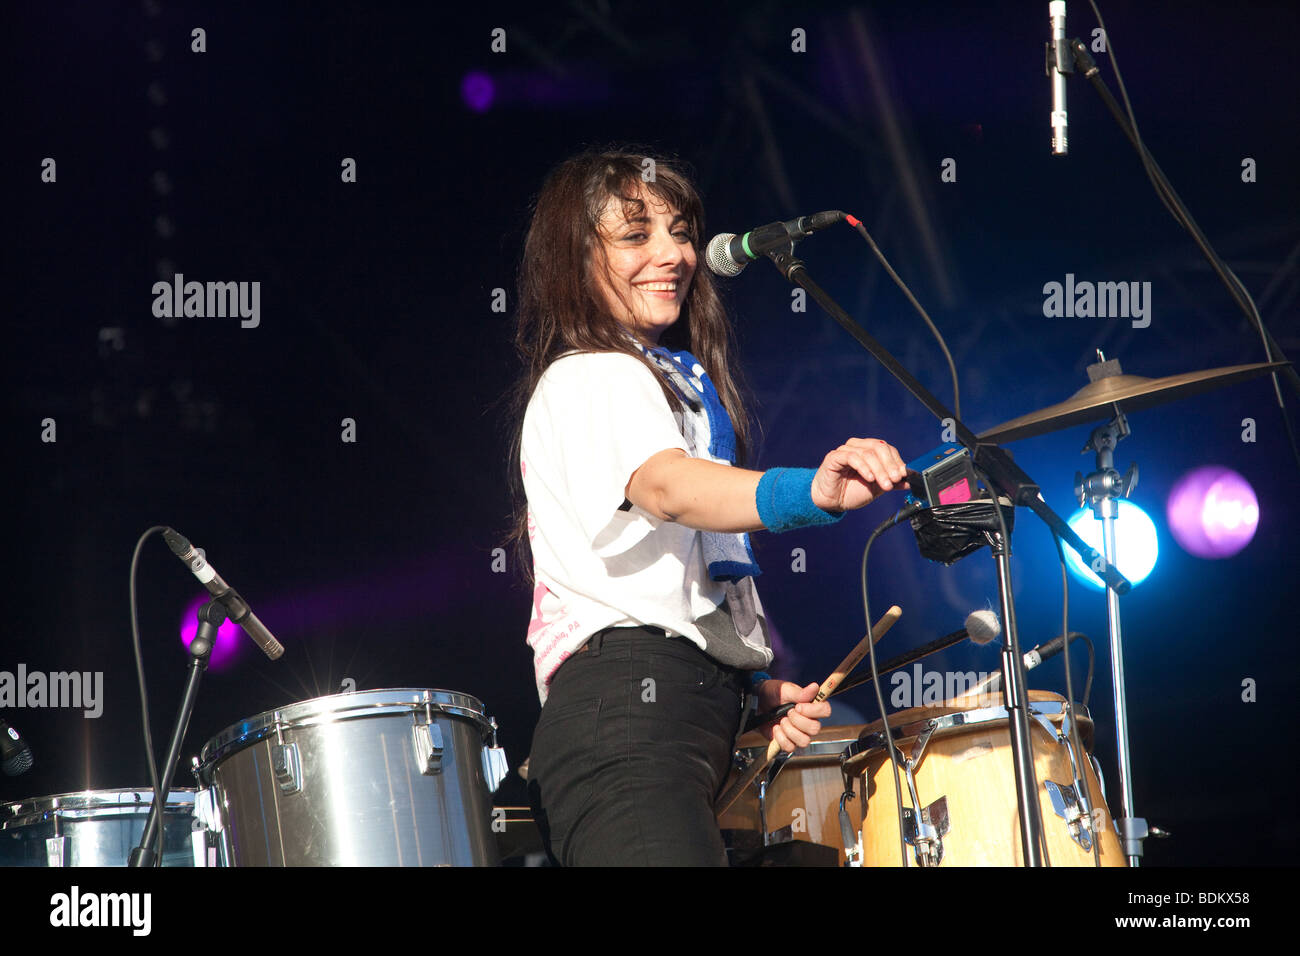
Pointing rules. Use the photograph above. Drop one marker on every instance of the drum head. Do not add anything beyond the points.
(952, 716)
(829, 741)
(90, 803)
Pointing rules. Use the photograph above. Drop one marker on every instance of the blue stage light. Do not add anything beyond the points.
(1135, 539)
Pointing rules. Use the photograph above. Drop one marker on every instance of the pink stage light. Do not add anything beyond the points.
(478, 92)
(1213, 512)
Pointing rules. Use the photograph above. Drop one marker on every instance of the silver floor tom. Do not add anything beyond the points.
(99, 828)
(400, 777)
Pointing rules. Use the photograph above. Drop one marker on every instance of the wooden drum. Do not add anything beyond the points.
(965, 782)
(805, 796)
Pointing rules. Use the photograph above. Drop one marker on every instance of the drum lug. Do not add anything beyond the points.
(926, 838)
(207, 826)
(199, 847)
(56, 851)
(286, 765)
(926, 833)
(1068, 806)
(205, 810)
(495, 765)
(428, 748)
(850, 837)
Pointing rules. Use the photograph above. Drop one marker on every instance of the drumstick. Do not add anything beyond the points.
(741, 783)
(859, 652)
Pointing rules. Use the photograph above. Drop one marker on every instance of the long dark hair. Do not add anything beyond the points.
(560, 308)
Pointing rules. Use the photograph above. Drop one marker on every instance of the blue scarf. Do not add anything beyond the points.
(709, 434)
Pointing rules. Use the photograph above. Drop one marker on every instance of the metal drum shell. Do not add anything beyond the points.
(969, 762)
(96, 828)
(339, 781)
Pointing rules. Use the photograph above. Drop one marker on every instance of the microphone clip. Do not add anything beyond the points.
(1059, 56)
(785, 260)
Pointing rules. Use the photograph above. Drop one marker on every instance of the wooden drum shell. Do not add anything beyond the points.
(972, 766)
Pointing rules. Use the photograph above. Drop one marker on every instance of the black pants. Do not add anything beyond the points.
(632, 747)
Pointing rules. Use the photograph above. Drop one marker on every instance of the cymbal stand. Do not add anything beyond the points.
(1101, 492)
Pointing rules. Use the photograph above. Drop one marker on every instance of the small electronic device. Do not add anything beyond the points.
(943, 476)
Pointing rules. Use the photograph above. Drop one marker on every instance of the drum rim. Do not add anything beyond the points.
(818, 748)
(870, 745)
(349, 706)
(90, 803)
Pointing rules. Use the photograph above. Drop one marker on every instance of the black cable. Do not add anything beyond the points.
(1082, 756)
(1172, 201)
(144, 693)
(1165, 191)
(880, 697)
(952, 367)
(1092, 659)
(1143, 155)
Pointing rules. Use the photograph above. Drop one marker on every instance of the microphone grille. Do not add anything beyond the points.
(983, 626)
(177, 542)
(717, 259)
(19, 763)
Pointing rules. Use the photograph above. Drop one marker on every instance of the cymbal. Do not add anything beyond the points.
(1134, 392)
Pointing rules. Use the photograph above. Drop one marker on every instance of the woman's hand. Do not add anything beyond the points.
(797, 728)
(856, 474)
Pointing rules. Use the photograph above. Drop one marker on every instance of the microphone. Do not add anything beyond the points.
(727, 254)
(1032, 658)
(1057, 67)
(1042, 652)
(238, 610)
(15, 754)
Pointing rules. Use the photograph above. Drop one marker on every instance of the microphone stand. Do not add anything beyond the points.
(211, 616)
(1007, 480)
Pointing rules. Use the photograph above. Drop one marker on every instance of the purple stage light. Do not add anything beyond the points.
(225, 650)
(478, 91)
(1213, 512)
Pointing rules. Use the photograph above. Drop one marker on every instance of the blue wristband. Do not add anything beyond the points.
(784, 500)
(755, 679)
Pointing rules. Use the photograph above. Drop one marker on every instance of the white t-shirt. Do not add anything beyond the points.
(593, 420)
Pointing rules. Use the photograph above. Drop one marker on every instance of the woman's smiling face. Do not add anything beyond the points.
(651, 260)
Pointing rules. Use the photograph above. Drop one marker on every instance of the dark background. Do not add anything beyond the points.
(374, 560)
